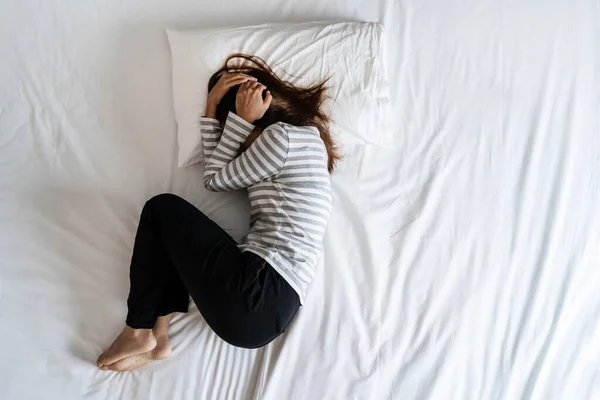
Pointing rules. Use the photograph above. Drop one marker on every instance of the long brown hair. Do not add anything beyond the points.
(291, 104)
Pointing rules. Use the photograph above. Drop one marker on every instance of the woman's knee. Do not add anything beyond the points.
(247, 335)
(163, 199)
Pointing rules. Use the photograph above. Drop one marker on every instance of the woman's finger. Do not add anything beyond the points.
(236, 81)
(245, 75)
(225, 76)
(242, 77)
(239, 76)
(267, 100)
(250, 89)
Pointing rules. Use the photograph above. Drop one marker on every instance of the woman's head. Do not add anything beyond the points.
(291, 104)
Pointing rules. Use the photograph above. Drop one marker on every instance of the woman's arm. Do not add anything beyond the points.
(225, 171)
(211, 134)
(210, 130)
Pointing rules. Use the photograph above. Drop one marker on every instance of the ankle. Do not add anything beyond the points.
(162, 337)
(132, 332)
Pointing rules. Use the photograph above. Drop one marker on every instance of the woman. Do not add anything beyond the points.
(270, 137)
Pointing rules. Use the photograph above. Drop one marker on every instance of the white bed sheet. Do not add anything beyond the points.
(463, 264)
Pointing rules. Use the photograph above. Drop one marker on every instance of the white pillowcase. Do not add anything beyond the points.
(350, 52)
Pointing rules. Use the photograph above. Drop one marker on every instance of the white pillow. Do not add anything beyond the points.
(350, 52)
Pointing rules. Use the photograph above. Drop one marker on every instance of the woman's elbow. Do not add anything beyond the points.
(209, 185)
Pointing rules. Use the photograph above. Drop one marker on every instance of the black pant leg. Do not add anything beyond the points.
(239, 295)
(177, 250)
(150, 274)
(175, 295)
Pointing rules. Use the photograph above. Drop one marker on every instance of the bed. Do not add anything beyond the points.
(461, 263)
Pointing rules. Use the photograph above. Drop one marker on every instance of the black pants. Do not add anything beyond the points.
(180, 251)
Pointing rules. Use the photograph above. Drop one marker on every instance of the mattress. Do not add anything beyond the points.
(461, 264)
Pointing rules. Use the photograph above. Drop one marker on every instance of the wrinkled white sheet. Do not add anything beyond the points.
(461, 265)
(348, 55)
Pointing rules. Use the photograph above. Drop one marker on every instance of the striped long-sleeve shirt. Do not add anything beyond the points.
(285, 171)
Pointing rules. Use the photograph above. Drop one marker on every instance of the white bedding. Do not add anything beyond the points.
(462, 264)
(348, 55)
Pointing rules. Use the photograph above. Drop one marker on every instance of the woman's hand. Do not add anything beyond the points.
(249, 103)
(225, 82)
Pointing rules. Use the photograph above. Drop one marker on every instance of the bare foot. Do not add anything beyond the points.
(160, 352)
(129, 342)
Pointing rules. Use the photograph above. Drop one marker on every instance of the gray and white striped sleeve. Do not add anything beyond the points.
(210, 132)
(265, 157)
